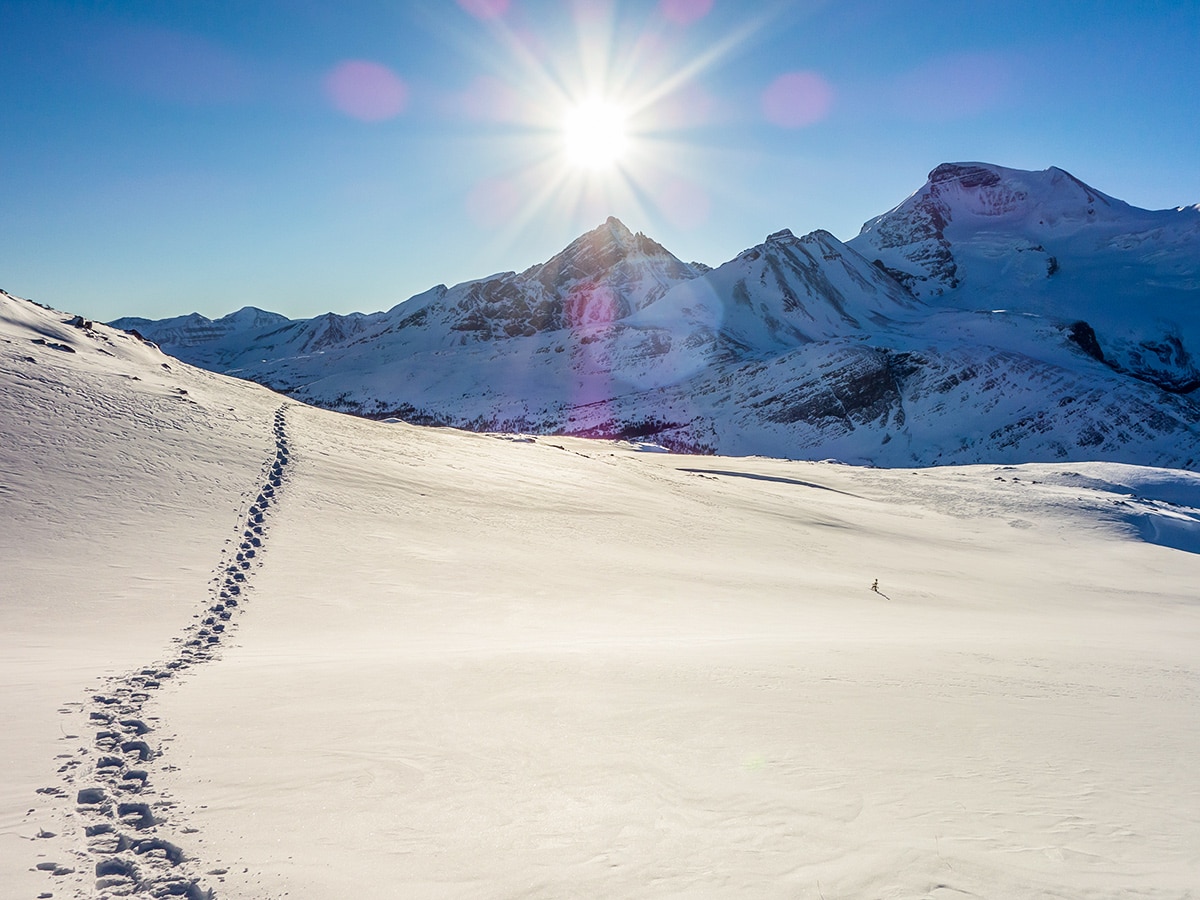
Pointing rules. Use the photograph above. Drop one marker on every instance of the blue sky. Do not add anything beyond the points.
(305, 156)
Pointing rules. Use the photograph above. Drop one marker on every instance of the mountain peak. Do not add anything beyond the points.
(986, 189)
(613, 231)
(969, 175)
(600, 277)
(602, 253)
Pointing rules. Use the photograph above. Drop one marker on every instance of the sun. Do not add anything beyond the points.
(609, 122)
(595, 135)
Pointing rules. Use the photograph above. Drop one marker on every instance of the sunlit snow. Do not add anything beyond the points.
(509, 666)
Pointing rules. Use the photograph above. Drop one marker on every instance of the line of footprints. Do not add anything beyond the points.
(123, 816)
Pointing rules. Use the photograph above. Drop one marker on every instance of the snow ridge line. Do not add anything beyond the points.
(124, 819)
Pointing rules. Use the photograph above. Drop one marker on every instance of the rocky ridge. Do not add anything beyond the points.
(994, 315)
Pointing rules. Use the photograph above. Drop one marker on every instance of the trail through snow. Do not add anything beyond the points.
(132, 843)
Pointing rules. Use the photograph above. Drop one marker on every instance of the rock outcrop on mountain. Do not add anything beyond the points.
(995, 315)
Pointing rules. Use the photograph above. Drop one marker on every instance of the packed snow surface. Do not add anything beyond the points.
(489, 665)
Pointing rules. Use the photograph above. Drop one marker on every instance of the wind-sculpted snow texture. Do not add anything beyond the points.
(130, 828)
(994, 315)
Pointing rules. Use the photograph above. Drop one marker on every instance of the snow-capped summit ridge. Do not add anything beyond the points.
(600, 251)
(617, 226)
(954, 191)
(932, 241)
(195, 329)
(979, 236)
(629, 269)
(994, 314)
(1052, 195)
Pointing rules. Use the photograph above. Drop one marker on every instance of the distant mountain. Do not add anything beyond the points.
(995, 315)
(981, 236)
(195, 330)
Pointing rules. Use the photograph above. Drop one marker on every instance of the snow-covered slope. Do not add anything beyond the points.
(994, 315)
(783, 293)
(464, 665)
(123, 474)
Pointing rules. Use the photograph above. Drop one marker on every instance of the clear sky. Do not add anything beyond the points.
(158, 158)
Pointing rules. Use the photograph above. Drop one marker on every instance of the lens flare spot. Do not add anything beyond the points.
(684, 12)
(797, 100)
(366, 90)
(484, 9)
(594, 135)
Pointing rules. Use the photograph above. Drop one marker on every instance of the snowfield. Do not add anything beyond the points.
(463, 665)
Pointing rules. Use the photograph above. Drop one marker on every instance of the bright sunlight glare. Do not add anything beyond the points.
(594, 134)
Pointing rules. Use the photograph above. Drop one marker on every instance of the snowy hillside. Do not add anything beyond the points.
(253, 649)
(995, 315)
(123, 473)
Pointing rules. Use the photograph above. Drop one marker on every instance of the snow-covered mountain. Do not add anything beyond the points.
(994, 315)
(1127, 279)
(253, 649)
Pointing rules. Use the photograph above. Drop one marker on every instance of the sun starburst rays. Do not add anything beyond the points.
(591, 126)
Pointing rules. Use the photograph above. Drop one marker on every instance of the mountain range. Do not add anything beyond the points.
(994, 315)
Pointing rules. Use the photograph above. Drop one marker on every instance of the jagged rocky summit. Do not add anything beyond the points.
(995, 315)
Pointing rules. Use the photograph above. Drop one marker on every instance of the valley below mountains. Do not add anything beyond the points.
(995, 315)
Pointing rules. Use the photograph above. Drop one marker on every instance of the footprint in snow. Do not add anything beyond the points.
(125, 764)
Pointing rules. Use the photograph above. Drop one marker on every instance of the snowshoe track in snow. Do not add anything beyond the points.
(126, 822)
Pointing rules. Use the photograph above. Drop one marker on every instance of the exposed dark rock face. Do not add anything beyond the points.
(966, 175)
(604, 254)
(922, 231)
(501, 308)
(857, 389)
(1164, 363)
(1081, 334)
